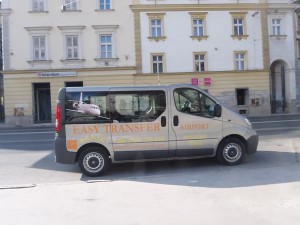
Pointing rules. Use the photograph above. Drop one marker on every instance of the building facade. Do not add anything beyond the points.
(284, 80)
(222, 46)
(49, 44)
(232, 49)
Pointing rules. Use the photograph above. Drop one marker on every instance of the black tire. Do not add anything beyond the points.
(231, 151)
(93, 161)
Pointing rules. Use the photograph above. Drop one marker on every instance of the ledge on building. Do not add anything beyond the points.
(106, 61)
(70, 11)
(278, 37)
(199, 38)
(239, 37)
(104, 10)
(73, 62)
(157, 39)
(33, 12)
(39, 62)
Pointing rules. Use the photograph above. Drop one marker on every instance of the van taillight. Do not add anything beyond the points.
(57, 121)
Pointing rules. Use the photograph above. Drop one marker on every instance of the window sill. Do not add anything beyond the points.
(106, 61)
(70, 11)
(104, 10)
(199, 38)
(278, 37)
(73, 62)
(157, 39)
(39, 62)
(239, 37)
(33, 12)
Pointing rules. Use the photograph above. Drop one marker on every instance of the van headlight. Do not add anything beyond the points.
(248, 122)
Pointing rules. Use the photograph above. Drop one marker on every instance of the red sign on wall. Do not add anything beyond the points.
(195, 81)
(207, 81)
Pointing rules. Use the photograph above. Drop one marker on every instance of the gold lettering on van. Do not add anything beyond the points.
(197, 126)
(131, 128)
(85, 129)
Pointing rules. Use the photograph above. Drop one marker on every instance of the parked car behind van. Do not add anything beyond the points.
(97, 126)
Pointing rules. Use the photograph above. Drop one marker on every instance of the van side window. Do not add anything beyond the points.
(86, 107)
(136, 106)
(193, 102)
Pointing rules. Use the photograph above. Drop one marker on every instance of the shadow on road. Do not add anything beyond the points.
(263, 168)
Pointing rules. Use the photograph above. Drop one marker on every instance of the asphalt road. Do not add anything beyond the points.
(264, 190)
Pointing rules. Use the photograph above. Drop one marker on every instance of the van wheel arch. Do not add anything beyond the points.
(235, 143)
(82, 148)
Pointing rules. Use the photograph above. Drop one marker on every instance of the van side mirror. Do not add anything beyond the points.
(218, 110)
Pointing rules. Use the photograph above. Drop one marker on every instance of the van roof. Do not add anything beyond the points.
(138, 87)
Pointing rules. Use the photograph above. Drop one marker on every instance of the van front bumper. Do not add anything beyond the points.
(252, 144)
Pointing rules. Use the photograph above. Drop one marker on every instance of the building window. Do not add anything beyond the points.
(72, 47)
(198, 25)
(276, 26)
(199, 62)
(105, 4)
(106, 46)
(298, 23)
(71, 5)
(38, 5)
(242, 96)
(156, 26)
(240, 60)
(239, 25)
(156, 29)
(39, 47)
(157, 63)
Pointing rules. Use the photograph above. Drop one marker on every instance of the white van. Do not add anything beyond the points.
(97, 126)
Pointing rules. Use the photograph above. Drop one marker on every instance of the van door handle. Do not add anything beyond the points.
(175, 121)
(163, 121)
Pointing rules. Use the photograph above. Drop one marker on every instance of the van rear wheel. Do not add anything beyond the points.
(93, 161)
(231, 151)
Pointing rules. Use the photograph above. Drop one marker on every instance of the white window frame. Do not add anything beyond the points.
(200, 58)
(108, 54)
(72, 31)
(104, 30)
(72, 48)
(71, 5)
(105, 5)
(276, 26)
(39, 48)
(198, 27)
(43, 31)
(156, 29)
(155, 63)
(240, 60)
(38, 5)
(237, 24)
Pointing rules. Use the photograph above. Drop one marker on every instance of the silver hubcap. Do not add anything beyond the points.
(93, 162)
(232, 152)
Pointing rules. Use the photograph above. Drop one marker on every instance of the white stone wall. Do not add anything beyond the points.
(19, 41)
(220, 46)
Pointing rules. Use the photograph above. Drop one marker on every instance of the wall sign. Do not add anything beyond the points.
(57, 74)
(195, 81)
(207, 81)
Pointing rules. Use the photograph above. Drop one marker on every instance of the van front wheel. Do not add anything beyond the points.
(231, 152)
(93, 161)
